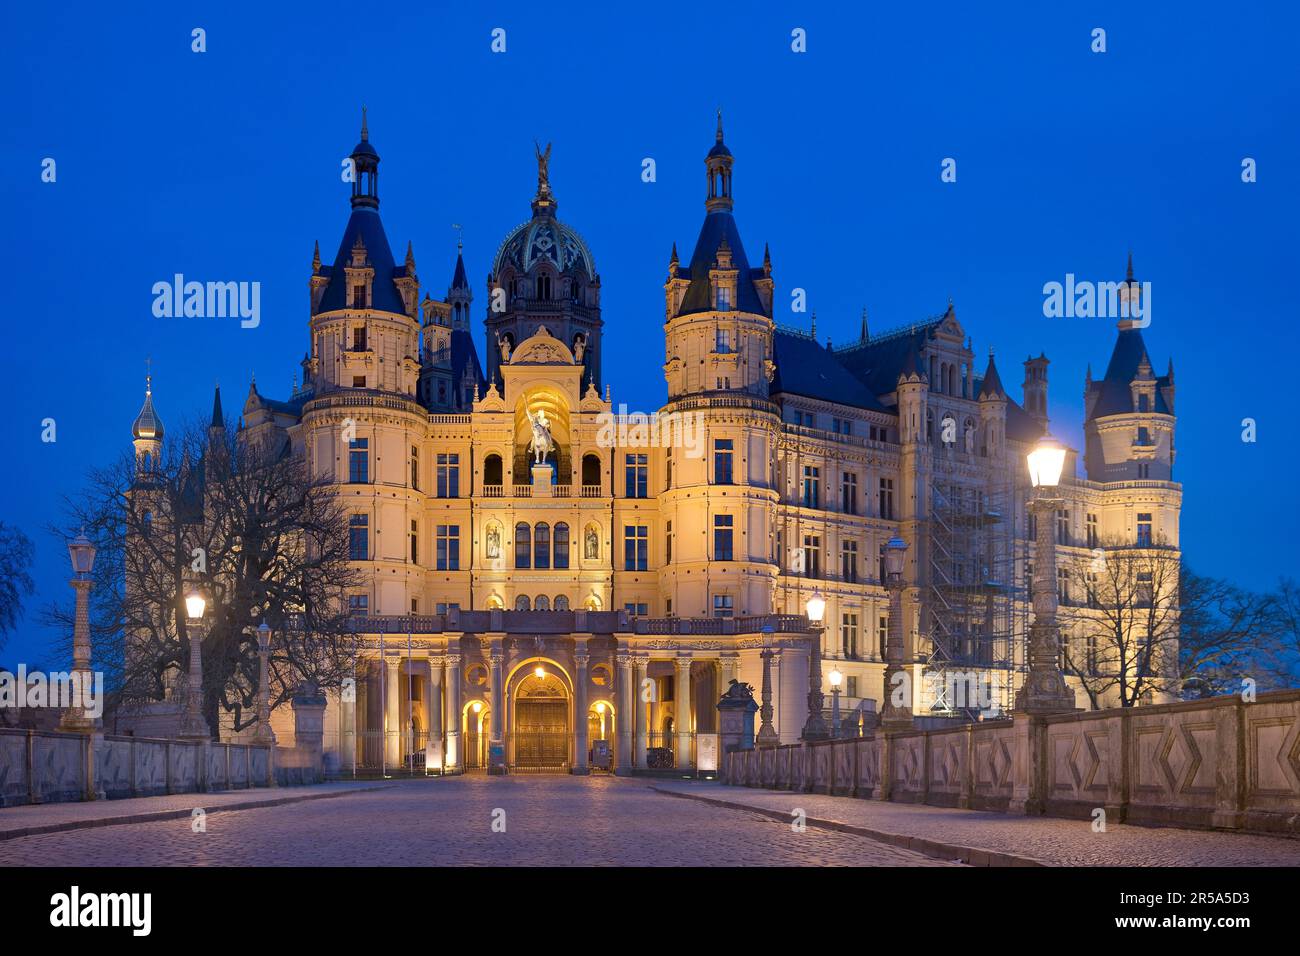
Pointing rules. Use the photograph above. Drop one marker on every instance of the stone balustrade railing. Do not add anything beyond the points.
(1221, 762)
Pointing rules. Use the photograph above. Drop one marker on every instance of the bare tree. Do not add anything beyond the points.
(16, 554)
(246, 524)
(1226, 634)
(1121, 622)
(1283, 664)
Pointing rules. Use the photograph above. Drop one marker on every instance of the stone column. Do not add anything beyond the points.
(194, 725)
(264, 733)
(767, 735)
(497, 659)
(682, 710)
(814, 727)
(433, 749)
(392, 711)
(626, 695)
(452, 759)
(580, 661)
(75, 718)
(893, 717)
(638, 713)
(1044, 690)
(348, 723)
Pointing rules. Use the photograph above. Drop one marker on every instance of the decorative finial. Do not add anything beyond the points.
(1130, 266)
(863, 336)
(460, 237)
(365, 133)
(315, 257)
(148, 376)
(719, 124)
(543, 169)
(674, 258)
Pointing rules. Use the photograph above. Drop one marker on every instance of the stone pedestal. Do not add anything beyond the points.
(543, 480)
(309, 729)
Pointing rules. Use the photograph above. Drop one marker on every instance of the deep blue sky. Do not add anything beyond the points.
(225, 166)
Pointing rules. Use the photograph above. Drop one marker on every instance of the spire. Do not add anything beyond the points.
(863, 335)
(218, 419)
(410, 258)
(992, 386)
(718, 164)
(767, 260)
(315, 258)
(365, 133)
(365, 170)
(1129, 276)
(147, 424)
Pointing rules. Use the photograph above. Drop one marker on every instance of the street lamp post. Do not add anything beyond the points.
(193, 725)
(814, 727)
(1045, 690)
(264, 733)
(895, 716)
(767, 735)
(836, 678)
(75, 717)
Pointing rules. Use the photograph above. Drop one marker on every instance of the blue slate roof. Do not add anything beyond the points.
(878, 363)
(365, 222)
(699, 296)
(805, 368)
(1114, 395)
(458, 280)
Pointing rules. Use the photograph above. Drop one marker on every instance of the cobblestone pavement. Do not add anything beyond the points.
(61, 816)
(1049, 840)
(550, 820)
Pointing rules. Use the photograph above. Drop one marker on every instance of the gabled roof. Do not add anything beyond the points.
(1114, 395)
(364, 222)
(719, 225)
(878, 363)
(806, 368)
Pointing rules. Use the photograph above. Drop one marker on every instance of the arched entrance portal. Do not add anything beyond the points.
(541, 735)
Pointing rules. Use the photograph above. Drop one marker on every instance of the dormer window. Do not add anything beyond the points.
(722, 341)
(359, 296)
(1144, 402)
(723, 299)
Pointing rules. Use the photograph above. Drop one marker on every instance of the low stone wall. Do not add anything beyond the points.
(53, 766)
(1219, 763)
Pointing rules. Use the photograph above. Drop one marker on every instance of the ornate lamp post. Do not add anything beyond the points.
(82, 553)
(193, 725)
(1045, 690)
(767, 735)
(814, 727)
(892, 716)
(836, 678)
(264, 733)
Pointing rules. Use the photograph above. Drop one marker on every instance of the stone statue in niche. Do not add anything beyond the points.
(503, 343)
(579, 347)
(494, 541)
(592, 549)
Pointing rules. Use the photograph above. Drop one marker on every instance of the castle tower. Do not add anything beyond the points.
(147, 433)
(720, 505)
(544, 274)
(1035, 388)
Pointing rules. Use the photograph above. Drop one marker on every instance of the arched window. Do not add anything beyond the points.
(148, 523)
(929, 424)
(591, 470)
(521, 603)
(952, 379)
(523, 544)
(543, 603)
(561, 602)
(543, 287)
(541, 545)
(935, 384)
(561, 561)
(492, 470)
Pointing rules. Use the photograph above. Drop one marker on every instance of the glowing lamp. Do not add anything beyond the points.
(82, 553)
(195, 605)
(894, 552)
(477, 706)
(816, 607)
(600, 708)
(836, 678)
(539, 672)
(1045, 463)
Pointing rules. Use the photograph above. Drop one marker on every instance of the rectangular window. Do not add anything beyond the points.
(842, 426)
(359, 301)
(849, 561)
(722, 457)
(635, 609)
(668, 543)
(850, 687)
(849, 635)
(722, 530)
(1144, 531)
(635, 476)
(636, 541)
(1145, 591)
(359, 605)
(1063, 585)
(1092, 531)
(722, 341)
(415, 468)
(447, 539)
(358, 381)
(1062, 526)
(415, 543)
(724, 298)
(849, 493)
(444, 608)
(812, 487)
(359, 461)
(887, 498)
(723, 606)
(359, 537)
(882, 634)
(812, 549)
(448, 475)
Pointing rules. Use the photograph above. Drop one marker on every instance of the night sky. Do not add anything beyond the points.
(224, 166)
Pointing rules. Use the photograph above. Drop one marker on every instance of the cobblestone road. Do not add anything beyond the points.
(1049, 840)
(549, 820)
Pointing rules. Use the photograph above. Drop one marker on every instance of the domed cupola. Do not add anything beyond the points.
(544, 272)
(147, 425)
